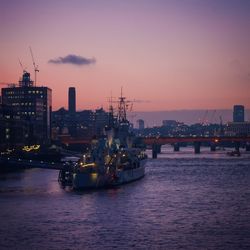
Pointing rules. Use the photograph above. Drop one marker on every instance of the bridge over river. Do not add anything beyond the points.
(157, 141)
(197, 141)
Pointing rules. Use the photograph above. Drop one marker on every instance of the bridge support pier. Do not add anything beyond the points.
(237, 146)
(197, 147)
(154, 151)
(176, 147)
(158, 149)
(247, 146)
(212, 147)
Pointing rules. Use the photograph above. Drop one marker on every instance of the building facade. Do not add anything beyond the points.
(31, 106)
(238, 113)
(237, 129)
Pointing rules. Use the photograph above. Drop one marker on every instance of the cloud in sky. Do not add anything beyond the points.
(73, 59)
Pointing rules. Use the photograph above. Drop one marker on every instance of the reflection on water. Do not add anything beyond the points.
(185, 201)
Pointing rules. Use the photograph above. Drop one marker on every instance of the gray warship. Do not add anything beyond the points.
(112, 160)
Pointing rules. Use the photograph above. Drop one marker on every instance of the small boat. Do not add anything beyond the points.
(234, 153)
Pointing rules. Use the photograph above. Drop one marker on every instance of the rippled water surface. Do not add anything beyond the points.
(185, 201)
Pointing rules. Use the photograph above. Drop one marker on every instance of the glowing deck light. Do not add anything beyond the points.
(93, 176)
(87, 165)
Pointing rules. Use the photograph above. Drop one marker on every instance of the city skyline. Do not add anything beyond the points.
(169, 55)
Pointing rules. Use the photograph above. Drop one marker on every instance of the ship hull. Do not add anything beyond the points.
(83, 180)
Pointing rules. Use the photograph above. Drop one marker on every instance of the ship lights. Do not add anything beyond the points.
(87, 165)
(93, 176)
(84, 158)
(30, 148)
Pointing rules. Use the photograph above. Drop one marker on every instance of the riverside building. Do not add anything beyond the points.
(32, 106)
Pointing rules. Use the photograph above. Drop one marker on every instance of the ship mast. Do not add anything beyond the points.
(111, 111)
(122, 106)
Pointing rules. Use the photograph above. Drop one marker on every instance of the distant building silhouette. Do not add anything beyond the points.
(28, 107)
(237, 129)
(72, 126)
(141, 125)
(85, 124)
(238, 113)
(72, 100)
(169, 123)
(101, 120)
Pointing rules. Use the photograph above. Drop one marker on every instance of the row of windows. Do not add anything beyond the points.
(23, 92)
(22, 104)
(21, 97)
(35, 92)
(26, 113)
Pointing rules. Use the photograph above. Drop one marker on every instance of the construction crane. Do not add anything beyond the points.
(212, 116)
(21, 65)
(34, 64)
(221, 126)
(204, 119)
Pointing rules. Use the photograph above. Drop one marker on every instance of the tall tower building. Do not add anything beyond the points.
(238, 113)
(72, 100)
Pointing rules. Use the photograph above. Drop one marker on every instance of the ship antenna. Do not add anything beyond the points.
(111, 111)
(122, 108)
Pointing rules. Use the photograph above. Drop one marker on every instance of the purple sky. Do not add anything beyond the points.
(186, 54)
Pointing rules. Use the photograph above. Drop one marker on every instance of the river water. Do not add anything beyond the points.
(185, 201)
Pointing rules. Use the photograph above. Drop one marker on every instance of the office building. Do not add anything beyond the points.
(30, 106)
(237, 129)
(238, 113)
(101, 120)
(141, 125)
(169, 123)
(72, 100)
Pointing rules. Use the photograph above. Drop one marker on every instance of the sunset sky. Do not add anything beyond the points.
(168, 54)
